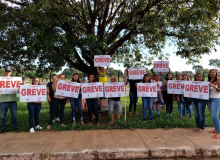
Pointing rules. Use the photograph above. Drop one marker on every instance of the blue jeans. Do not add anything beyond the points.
(180, 104)
(147, 101)
(76, 102)
(92, 104)
(214, 106)
(13, 110)
(186, 106)
(199, 106)
(34, 111)
(133, 100)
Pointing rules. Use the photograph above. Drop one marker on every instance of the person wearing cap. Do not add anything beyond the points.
(8, 101)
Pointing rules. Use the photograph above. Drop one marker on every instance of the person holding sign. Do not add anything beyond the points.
(147, 101)
(168, 97)
(199, 106)
(103, 74)
(186, 101)
(34, 110)
(58, 101)
(214, 101)
(114, 104)
(157, 101)
(50, 97)
(8, 101)
(76, 102)
(92, 104)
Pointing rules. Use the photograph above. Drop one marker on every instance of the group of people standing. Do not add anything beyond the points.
(57, 103)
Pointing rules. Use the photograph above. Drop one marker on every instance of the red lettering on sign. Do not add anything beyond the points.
(33, 92)
(90, 89)
(147, 88)
(9, 84)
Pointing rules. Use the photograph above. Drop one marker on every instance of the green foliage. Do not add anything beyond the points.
(112, 71)
(198, 68)
(164, 121)
(215, 63)
(49, 34)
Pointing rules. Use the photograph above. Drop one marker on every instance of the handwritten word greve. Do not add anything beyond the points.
(161, 65)
(66, 87)
(147, 88)
(10, 84)
(33, 92)
(175, 86)
(102, 59)
(89, 89)
(115, 88)
(197, 88)
(137, 72)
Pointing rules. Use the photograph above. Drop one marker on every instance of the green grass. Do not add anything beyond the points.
(164, 121)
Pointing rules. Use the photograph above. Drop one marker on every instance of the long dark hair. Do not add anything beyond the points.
(216, 77)
(186, 76)
(77, 79)
(144, 77)
(196, 75)
(93, 77)
(167, 78)
(34, 79)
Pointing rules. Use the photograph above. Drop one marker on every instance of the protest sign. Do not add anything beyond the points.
(196, 89)
(136, 73)
(67, 89)
(161, 66)
(175, 87)
(33, 93)
(146, 89)
(102, 60)
(114, 89)
(9, 85)
(92, 90)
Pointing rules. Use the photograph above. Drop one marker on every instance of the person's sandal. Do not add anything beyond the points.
(195, 129)
(89, 124)
(130, 114)
(213, 131)
(82, 123)
(62, 125)
(111, 123)
(136, 113)
(98, 124)
(199, 131)
(216, 137)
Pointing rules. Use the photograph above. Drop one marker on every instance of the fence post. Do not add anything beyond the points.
(203, 75)
(118, 76)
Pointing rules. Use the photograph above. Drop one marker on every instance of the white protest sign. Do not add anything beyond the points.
(33, 93)
(136, 73)
(9, 85)
(92, 90)
(196, 89)
(161, 66)
(175, 87)
(67, 89)
(114, 89)
(102, 60)
(146, 89)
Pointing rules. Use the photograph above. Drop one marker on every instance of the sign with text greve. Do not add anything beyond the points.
(33, 93)
(92, 90)
(175, 87)
(196, 89)
(161, 66)
(147, 89)
(102, 60)
(9, 85)
(136, 73)
(67, 89)
(114, 89)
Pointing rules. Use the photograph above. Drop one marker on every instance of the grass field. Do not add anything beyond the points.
(164, 121)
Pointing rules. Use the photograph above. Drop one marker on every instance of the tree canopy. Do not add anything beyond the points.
(215, 63)
(48, 34)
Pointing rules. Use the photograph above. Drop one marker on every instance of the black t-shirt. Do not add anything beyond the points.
(132, 84)
(50, 85)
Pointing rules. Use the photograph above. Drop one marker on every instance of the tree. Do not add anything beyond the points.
(215, 63)
(56, 32)
(198, 68)
(112, 71)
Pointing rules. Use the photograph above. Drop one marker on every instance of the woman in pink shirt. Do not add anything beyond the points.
(157, 101)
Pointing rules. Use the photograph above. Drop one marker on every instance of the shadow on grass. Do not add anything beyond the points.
(133, 122)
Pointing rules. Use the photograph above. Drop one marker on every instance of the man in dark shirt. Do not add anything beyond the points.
(114, 104)
(133, 96)
(50, 96)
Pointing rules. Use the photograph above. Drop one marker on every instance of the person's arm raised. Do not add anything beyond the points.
(106, 71)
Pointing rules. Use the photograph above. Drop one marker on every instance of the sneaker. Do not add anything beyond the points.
(38, 127)
(32, 130)
(144, 119)
(151, 119)
(54, 120)
(57, 119)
